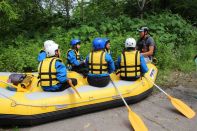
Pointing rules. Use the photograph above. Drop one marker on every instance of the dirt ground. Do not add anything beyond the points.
(156, 111)
(187, 80)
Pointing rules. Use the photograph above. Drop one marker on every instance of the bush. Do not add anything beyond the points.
(175, 39)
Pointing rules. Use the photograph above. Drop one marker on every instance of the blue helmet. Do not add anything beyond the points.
(98, 43)
(75, 42)
(106, 40)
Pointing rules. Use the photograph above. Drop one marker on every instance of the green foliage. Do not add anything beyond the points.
(20, 56)
(175, 39)
(186, 8)
(98, 10)
(7, 10)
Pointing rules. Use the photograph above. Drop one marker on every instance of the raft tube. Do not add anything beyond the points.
(35, 106)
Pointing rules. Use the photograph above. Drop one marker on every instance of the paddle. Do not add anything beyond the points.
(135, 120)
(178, 104)
(18, 88)
(71, 84)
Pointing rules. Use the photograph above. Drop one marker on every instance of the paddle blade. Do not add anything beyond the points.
(136, 122)
(182, 107)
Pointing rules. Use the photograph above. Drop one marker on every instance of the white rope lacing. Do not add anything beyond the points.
(15, 103)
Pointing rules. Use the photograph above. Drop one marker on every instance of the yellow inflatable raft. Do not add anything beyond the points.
(34, 106)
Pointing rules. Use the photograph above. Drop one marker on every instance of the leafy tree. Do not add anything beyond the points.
(20, 16)
(104, 9)
(8, 14)
(186, 8)
(141, 6)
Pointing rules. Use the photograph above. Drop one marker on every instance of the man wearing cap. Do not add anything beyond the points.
(146, 44)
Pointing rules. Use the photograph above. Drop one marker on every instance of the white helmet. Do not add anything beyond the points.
(130, 42)
(51, 48)
(47, 43)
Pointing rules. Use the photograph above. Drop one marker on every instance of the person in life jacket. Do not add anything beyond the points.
(75, 61)
(100, 64)
(52, 72)
(131, 63)
(146, 44)
(107, 49)
(42, 55)
(107, 45)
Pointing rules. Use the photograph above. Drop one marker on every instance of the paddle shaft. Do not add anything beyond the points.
(135, 120)
(158, 87)
(120, 95)
(71, 84)
(76, 91)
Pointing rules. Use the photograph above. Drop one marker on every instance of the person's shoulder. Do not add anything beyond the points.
(59, 63)
(58, 60)
(70, 50)
(42, 51)
(141, 56)
(108, 57)
(150, 40)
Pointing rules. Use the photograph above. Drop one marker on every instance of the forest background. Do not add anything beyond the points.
(26, 24)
